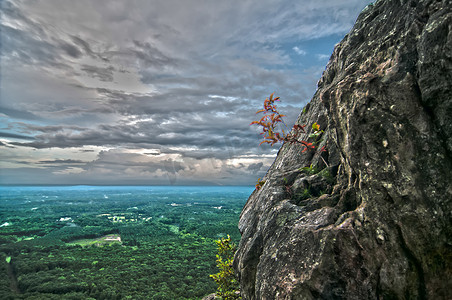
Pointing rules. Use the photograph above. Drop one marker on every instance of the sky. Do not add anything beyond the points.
(154, 92)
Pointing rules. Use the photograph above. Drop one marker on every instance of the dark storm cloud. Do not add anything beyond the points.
(71, 50)
(61, 161)
(50, 128)
(82, 43)
(86, 47)
(15, 136)
(104, 74)
(255, 167)
(193, 133)
(83, 111)
(120, 160)
(68, 140)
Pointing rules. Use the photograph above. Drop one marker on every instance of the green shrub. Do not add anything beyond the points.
(228, 285)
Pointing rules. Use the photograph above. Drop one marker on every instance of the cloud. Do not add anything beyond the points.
(150, 56)
(92, 86)
(104, 74)
(255, 167)
(15, 136)
(86, 150)
(85, 46)
(71, 50)
(122, 166)
(17, 114)
(174, 168)
(61, 161)
(299, 51)
(322, 56)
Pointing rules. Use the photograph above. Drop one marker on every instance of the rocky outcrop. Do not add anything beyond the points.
(372, 219)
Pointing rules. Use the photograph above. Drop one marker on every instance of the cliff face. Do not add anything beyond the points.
(376, 222)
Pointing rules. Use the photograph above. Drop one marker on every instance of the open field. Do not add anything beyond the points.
(101, 241)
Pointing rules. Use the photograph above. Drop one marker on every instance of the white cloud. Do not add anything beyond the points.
(69, 170)
(299, 51)
(322, 56)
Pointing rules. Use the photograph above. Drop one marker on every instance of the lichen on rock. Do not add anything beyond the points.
(376, 222)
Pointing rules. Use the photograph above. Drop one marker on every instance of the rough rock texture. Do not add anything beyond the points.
(376, 223)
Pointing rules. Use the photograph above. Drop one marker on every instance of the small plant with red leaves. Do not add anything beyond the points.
(272, 120)
(259, 183)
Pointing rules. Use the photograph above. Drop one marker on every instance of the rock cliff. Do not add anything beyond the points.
(372, 219)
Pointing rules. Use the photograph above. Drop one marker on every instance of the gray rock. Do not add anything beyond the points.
(212, 296)
(376, 222)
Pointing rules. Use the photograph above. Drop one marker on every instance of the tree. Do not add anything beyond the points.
(228, 285)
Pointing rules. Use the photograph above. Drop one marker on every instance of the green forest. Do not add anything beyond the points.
(145, 247)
